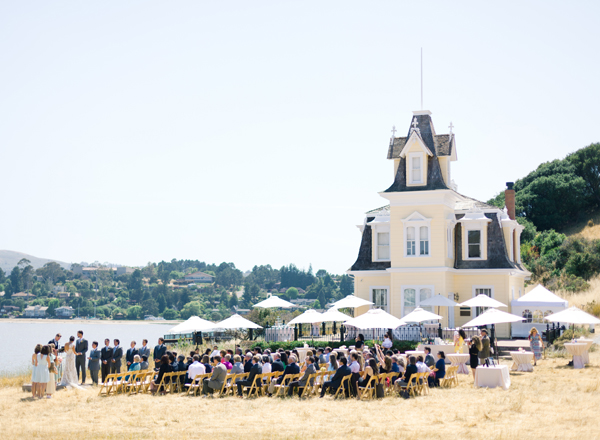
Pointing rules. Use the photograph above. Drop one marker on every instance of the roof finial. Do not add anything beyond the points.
(451, 126)
(414, 124)
(393, 131)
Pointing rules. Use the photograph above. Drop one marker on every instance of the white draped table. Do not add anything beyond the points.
(302, 353)
(589, 342)
(522, 360)
(578, 350)
(492, 377)
(447, 349)
(415, 353)
(460, 360)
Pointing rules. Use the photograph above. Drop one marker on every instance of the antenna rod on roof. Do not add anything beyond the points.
(421, 78)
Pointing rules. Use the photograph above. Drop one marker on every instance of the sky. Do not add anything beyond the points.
(257, 132)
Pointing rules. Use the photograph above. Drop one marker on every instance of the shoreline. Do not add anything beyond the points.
(87, 321)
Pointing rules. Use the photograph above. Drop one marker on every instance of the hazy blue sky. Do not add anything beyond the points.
(256, 132)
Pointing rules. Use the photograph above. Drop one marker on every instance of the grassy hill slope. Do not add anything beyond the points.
(9, 259)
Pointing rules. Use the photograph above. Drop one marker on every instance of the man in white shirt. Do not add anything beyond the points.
(355, 369)
(196, 368)
(421, 367)
(215, 352)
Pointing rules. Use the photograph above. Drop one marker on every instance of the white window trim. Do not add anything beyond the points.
(417, 288)
(417, 220)
(376, 244)
(377, 228)
(450, 228)
(481, 240)
(387, 289)
(421, 180)
(474, 294)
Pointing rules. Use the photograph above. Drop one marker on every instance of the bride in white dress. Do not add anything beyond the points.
(69, 377)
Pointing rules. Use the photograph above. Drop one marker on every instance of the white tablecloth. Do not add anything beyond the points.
(302, 353)
(492, 377)
(522, 360)
(415, 353)
(578, 350)
(586, 356)
(460, 360)
(447, 349)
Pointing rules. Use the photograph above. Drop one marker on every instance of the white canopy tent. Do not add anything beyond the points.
(573, 315)
(309, 317)
(492, 317)
(534, 306)
(419, 315)
(193, 324)
(350, 302)
(236, 322)
(334, 315)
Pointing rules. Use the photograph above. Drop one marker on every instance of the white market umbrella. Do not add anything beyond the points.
(573, 315)
(350, 302)
(274, 301)
(419, 315)
(375, 318)
(482, 300)
(493, 316)
(334, 315)
(309, 317)
(438, 300)
(235, 322)
(193, 324)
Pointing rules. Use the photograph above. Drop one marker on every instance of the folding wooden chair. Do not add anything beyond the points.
(107, 384)
(281, 388)
(165, 383)
(369, 389)
(308, 390)
(344, 385)
(144, 386)
(411, 387)
(267, 379)
(256, 386)
(196, 386)
(389, 383)
(134, 382)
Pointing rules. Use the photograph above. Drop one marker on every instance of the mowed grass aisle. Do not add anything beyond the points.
(554, 402)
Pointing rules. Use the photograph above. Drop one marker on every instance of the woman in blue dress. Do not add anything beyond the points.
(35, 358)
(536, 344)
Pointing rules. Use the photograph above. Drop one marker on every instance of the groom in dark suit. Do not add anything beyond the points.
(106, 355)
(81, 348)
(116, 358)
(55, 341)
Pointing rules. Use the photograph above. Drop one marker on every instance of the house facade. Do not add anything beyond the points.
(432, 240)
(199, 277)
(64, 312)
(35, 312)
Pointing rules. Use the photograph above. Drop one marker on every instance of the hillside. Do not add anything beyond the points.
(583, 229)
(9, 259)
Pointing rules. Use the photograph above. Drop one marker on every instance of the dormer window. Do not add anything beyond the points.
(474, 243)
(474, 235)
(415, 176)
(383, 246)
(417, 235)
(380, 226)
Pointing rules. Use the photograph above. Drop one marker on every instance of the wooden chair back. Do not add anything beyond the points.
(344, 385)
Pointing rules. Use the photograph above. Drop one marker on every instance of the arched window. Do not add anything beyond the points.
(527, 315)
(538, 316)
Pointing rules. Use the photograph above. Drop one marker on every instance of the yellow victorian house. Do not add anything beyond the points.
(432, 240)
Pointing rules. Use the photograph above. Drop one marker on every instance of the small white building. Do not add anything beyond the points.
(534, 307)
(199, 277)
(35, 312)
(64, 312)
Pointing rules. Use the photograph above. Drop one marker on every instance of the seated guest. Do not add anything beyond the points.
(439, 370)
(395, 366)
(410, 370)
(266, 365)
(429, 361)
(248, 362)
(254, 371)
(321, 356)
(238, 367)
(195, 369)
(144, 364)
(277, 365)
(134, 366)
(304, 380)
(206, 363)
(181, 363)
(401, 365)
(333, 364)
(284, 358)
(369, 371)
(165, 367)
(215, 382)
(355, 369)
(258, 351)
(292, 368)
(268, 353)
(421, 366)
(215, 353)
(336, 380)
(386, 365)
(227, 362)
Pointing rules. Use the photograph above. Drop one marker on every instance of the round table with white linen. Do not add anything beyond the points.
(522, 360)
(447, 349)
(302, 353)
(415, 353)
(578, 350)
(461, 360)
(492, 377)
(589, 342)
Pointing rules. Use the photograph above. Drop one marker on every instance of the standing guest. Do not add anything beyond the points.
(131, 352)
(277, 365)
(216, 380)
(55, 341)
(116, 357)
(144, 349)
(355, 370)
(304, 380)
(536, 344)
(439, 370)
(248, 362)
(387, 341)
(94, 363)
(206, 363)
(81, 348)
(144, 364)
(106, 358)
(35, 360)
(43, 373)
(254, 371)
(484, 352)
(336, 380)
(359, 342)
(474, 347)
(196, 369)
(51, 385)
(159, 351)
(459, 340)
(237, 367)
(226, 361)
(266, 365)
(164, 368)
(429, 360)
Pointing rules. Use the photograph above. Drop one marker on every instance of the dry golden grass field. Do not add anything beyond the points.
(553, 402)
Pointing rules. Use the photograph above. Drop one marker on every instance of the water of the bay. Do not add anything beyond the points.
(18, 339)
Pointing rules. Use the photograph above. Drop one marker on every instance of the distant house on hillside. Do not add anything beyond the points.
(64, 312)
(240, 311)
(35, 312)
(122, 270)
(57, 289)
(63, 295)
(23, 295)
(199, 277)
(9, 309)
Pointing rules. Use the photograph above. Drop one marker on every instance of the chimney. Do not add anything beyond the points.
(509, 199)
